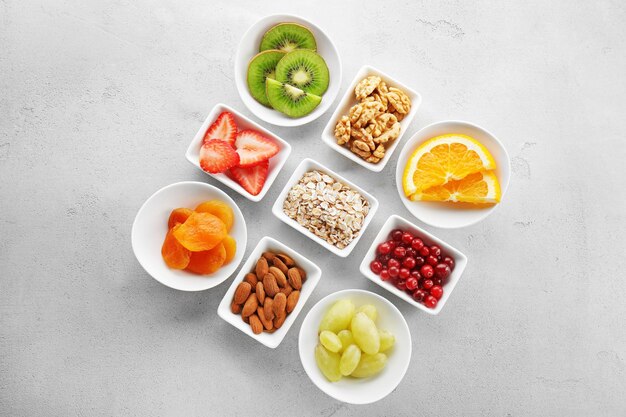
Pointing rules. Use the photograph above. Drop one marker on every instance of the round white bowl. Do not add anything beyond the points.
(249, 47)
(453, 215)
(357, 390)
(150, 228)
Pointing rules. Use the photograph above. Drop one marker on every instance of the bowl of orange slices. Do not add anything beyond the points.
(452, 174)
(190, 236)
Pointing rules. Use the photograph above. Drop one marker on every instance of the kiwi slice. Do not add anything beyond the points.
(305, 70)
(290, 100)
(262, 66)
(287, 37)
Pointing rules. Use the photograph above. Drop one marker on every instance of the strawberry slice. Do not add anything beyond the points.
(253, 148)
(224, 128)
(252, 179)
(217, 156)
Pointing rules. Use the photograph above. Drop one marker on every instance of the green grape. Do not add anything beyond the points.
(370, 365)
(330, 341)
(328, 363)
(346, 338)
(338, 317)
(349, 360)
(387, 340)
(365, 334)
(370, 310)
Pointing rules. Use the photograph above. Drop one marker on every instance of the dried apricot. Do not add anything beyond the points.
(208, 261)
(174, 254)
(219, 209)
(200, 232)
(178, 215)
(230, 245)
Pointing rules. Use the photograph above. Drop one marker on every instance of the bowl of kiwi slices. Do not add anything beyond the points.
(287, 70)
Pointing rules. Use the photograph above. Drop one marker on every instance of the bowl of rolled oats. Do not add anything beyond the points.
(371, 118)
(326, 207)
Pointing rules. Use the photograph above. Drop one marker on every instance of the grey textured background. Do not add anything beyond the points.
(98, 101)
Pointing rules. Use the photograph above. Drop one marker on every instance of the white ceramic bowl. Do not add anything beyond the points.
(348, 100)
(313, 273)
(276, 162)
(249, 47)
(397, 222)
(150, 228)
(453, 215)
(308, 165)
(355, 390)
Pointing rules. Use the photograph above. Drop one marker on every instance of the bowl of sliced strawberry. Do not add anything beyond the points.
(237, 152)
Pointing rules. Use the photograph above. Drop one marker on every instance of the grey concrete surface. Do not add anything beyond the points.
(98, 101)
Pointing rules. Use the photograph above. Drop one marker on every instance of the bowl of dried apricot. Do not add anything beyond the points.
(190, 236)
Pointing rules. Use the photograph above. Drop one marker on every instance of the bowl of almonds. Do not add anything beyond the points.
(371, 118)
(269, 292)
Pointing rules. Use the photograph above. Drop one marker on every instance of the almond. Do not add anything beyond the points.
(286, 259)
(302, 273)
(287, 290)
(262, 267)
(255, 324)
(260, 293)
(281, 279)
(278, 263)
(251, 279)
(292, 301)
(294, 278)
(242, 293)
(268, 255)
(270, 285)
(268, 308)
(250, 306)
(279, 320)
(246, 319)
(235, 308)
(280, 302)
(266, 323)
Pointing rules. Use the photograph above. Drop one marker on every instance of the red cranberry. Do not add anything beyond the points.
(408, 262)
(417, 244)
(427, 271)
(392, 244)
(384, 275)
(449, 261)
(431, 260)
(411, 252)
(419, 261)
(376, 267)
(401, 284)
(430, 301)
(416, 275)
(436, 291)
(393, 271)
(393, 262)
(384, 259)
(411, 284)
(438, 281)
(396, 235)
(418, 295)
(404, 273)
(427, 284)
(442, 271)
(424, 251)
(384, 248)
(407, 238)
(399, 252)
(435, 250)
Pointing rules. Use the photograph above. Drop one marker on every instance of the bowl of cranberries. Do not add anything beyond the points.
(413, 264)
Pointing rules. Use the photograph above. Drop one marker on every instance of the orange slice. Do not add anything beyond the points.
(477, 188)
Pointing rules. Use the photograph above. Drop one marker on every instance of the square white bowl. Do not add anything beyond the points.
(313, 274)
(397, 222)
(276, 162)
(348, 100)
(309, 165)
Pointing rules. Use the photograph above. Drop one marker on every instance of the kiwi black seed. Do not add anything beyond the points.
(288, 37)
(290, 100)
(262, 66)
(305, 70)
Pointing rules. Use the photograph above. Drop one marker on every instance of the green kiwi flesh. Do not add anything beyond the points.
(305, 70)
(262, 66)
(288, 37)
(290, 100)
